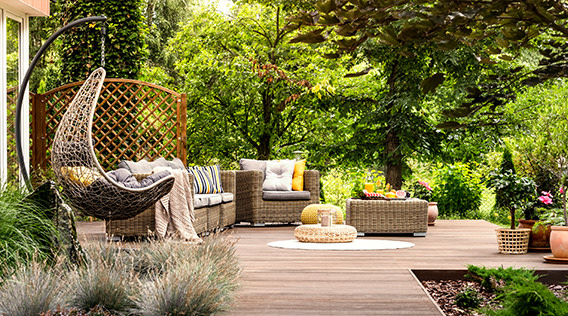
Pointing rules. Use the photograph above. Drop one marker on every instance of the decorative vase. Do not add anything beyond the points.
(540, 236)
(559, 241)
(432, 213)
(513, 241)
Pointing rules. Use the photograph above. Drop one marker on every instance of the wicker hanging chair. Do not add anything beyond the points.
(84, 182)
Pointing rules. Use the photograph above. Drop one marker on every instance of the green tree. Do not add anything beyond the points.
(252, 92)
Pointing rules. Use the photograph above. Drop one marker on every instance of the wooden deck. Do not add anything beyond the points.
(307, 282)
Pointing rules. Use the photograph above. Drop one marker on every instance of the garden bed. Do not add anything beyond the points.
(442, 286)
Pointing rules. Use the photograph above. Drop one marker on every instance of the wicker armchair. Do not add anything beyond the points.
(206, 218)
(252, 208)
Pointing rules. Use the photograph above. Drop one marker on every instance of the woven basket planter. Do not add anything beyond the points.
(513, 241)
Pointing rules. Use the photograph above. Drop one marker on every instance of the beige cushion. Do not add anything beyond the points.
(278, 175)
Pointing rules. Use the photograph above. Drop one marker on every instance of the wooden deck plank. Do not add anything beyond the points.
(307, 282)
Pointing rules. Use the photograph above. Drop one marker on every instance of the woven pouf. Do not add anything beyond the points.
(332, 234)
(310, 213)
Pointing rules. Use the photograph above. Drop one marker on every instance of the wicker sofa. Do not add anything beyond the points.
(253, 206)
(207, 218)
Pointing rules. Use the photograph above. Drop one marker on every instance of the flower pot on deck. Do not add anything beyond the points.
(513, 241)
(539, 239)
(432, 213)
(559, 241)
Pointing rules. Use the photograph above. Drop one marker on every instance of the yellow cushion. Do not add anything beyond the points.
(298, 178)
(310, 213)
(81, 175)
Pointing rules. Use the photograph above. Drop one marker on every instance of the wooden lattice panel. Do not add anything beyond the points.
(133, 120)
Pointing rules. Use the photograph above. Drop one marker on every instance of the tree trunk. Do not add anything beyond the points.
(393, 161)
(264, 149)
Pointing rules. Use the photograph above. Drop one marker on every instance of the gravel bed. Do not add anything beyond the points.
(444, 294)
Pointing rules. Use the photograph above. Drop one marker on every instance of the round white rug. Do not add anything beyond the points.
(357, 244)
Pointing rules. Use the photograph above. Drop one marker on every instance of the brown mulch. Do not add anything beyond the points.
(444, 293)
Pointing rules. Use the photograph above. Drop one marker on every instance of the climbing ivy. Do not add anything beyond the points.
(124, 45)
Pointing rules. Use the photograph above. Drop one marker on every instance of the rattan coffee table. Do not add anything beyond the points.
(332, 234)
(388, 216)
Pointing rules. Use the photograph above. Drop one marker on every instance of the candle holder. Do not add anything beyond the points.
(326, 217)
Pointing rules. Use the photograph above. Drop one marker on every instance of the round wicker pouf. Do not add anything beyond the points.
(332, 234)
(310, 213)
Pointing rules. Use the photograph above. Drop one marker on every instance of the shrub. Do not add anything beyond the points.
(468, 298)
(104, 282)
(458, 191)
(182, 284)
(31, 289)
(25, 231)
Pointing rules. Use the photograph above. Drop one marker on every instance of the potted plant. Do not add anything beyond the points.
(540, 231)
(559, 234)
(422, 190)
(516, 193)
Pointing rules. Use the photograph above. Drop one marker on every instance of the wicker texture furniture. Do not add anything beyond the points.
(388, 216)
(331, 234)
(83, 181)
(206, 218)
(252, 208)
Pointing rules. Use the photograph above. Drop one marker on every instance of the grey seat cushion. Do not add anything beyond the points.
(285, 195)
(227, 197)
(204, 200)
(126, 178)
(144, 166)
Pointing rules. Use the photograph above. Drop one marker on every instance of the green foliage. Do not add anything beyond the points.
(458, 190)
(468, 298)
(124, 43)
(338, 187)
(25, 231)
(506, 164)
(494, 279)
(252, 92)
(517, 191)
(421, 190)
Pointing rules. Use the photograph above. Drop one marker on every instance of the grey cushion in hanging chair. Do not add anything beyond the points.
(84, 182)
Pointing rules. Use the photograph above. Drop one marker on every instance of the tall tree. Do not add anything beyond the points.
(253, 93)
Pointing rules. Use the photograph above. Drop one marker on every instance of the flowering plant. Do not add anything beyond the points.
(421, 190)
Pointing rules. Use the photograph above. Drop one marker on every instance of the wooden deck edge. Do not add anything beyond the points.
(411, 271)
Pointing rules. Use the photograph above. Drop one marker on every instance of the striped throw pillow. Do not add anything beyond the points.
(207, 180)
(201, 180)
(214, 173)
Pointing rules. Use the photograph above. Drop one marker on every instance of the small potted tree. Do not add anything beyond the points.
(516, 193)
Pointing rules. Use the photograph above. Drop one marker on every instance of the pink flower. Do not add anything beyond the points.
(546, 194)
(426, 185)
(545, 199)
(561, 190)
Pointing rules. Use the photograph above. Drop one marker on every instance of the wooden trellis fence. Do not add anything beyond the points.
(133, 120)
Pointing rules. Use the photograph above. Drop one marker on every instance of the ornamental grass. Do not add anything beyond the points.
(151, 278)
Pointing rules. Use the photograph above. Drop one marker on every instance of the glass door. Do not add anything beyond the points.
(13, 73)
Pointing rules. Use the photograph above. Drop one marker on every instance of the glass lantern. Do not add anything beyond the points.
(326, 217)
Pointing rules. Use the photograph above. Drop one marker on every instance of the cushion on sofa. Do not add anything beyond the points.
(204, 200)
(278, 175)
(298, 177)
(253, 164)
(145, 166)
(285, 195)
(227, 197)
(214, 173)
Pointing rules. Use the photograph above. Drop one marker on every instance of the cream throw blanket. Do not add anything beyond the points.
(174, 211)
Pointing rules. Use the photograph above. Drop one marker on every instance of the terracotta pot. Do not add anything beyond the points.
(432, 213)
(540, 236)
(559, 241)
